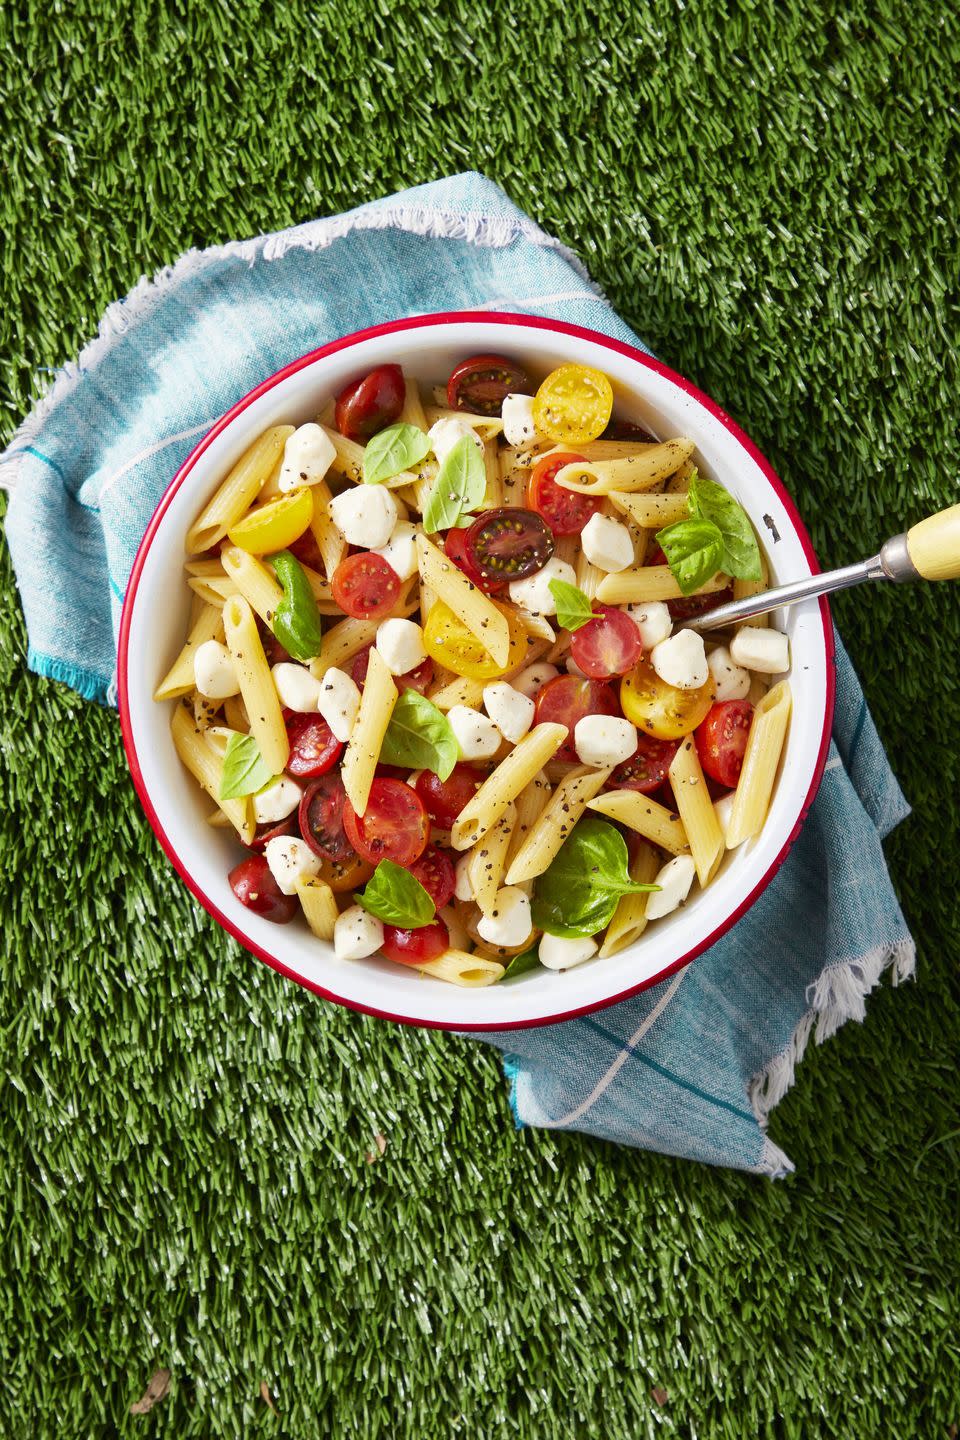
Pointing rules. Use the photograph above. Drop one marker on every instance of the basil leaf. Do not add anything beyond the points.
(741, 553)
(296, 620)
(694, 550)
(244, 769)
(460, 485)
(392, 450)
(573, 607)
(520, 964)
(579, 891)
(396, 896)
(420, 737)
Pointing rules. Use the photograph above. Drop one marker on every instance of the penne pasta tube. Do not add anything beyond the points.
(488, 427)
(219, 819)
(649, 818)
(235, 714)
(238, 492)
(363, 748)
(458, 967)
(413, 412)
(501, 787)
(330, 542)
(695, 808)
(206, 767)
(588, 576)
(650, 582)
(530, 805)
(319, 905)
(348, 461)
(751, 799)
(493, 495)
(204, 711)
(744, 589)
(341, 643)
(179, 679)
(256, 683)
(630, 917)
(604, 449)
(450, 689)
(651, 512)
(633, 472)
(468, 603)
(562, 812)
(212, 589)
(321, 591)
(488, 860)
(536, 625)
(253, 580)
(328, 411)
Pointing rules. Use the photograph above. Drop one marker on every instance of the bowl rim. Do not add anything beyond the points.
(506, 319)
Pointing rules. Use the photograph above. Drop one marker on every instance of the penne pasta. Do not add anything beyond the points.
(530, 805)
(630, 917)
(238, 492)
(633, 472)
(648, 817)
(235, 714)
(745, 589)
(503, 786)
(330, 542)
(256, 683)
(206, 766)
(179, 679)
(413, 412)
(488, 427)
(254, 581)
(458, 967)
(605, 449)
(363, 748)
(488, 858)
(651, 512)
(696, 811)
(341, 643)
(751, 799)
(468, 603)
(348, 462)
(562, 812)
(319, 905)
(650, 582)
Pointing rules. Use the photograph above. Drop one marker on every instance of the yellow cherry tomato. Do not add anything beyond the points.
(660, 709)
(343, 875)
(275, 525)
(448, 641)
(573, 404)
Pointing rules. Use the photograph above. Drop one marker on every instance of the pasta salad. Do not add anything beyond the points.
(440, 677)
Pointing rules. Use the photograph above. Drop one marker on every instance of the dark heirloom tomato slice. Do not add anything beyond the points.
(626, 430)
(444, 799)
(394, 825)
(415, 947)
(321, 818)
(365, 586)
(419, 678)
(254, 886)
(455, 547)
(482, 383)
(687, 607)
(568, 699)
(647, 767)
(314, 749)
(370, 403)
(436, 874)
(307, 551)
(607, 646)
(508, 544)
(272, 830)
(722, 739)
(565, 511)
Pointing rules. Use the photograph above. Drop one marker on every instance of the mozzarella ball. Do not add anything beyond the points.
(681, 661)
(534, 677)
(357, 934)
(338, 702)
(516, 412)
(276, 801)
(559, 953)
(400, 643)
(534, 593)
(296, 687)
(400, 551)
(477, 736)
(445, 434)
(732, 681)
(652, 619)
(674, 880)
(307, 456)
(214, 672)
(509, 922)
(607, 544)
(365, 515)
(723, 809)
(758, 648)
(604, 739)
(510, 711)
(463, 889)
(290, 860)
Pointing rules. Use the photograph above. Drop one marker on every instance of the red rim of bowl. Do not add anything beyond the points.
(347, 342)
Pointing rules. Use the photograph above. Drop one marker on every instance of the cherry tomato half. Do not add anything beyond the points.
(627, 430)
(436, 874)
(659, 709)
(482, 383)
(448, 641)
(565, 511)
(415, 947)
(455, 547)
(272, 830)
(573, 404)
(647, 767)
(307, 551)
(365, 586)
(420, 678)
(508, 544)
(321, 819)
(444, 799)
(394, 825)
(348, 874)
(254, 886)
(722, 738)
(370, 404)
(568, 699)
(314, 749)
(607, 646)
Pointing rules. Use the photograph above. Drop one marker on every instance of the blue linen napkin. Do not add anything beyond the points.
(691, 1067)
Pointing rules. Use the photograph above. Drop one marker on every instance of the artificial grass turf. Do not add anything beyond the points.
(769, 196)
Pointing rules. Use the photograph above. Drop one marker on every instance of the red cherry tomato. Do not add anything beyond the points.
(508, 544)
(254, 886)
(314, 749)
(568, 699)
(689, 606)
(456, 550)
(415, 947)
(722, 739)
(436, 874)
(482, 383)
(420, 678)
(365, 586)
(626, 430)
(272, 830)
(607, 646)
(370, 404)
(444, 799)
(565, 511)
(647, 767)
(321, 818)
(307, 551)
(394, 825)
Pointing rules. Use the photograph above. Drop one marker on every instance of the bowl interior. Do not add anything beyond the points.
(155, 622)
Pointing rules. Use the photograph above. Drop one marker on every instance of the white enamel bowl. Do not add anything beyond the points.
(155, 616)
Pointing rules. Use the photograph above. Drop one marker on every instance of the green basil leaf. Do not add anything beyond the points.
(244, 769)
(420, 737)
(694, 550)
(520, 964)
(573, 607)
(397, 448)
(296, 620)
(396, 896)
(460, 486)
(579, 891)
(741, 553)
